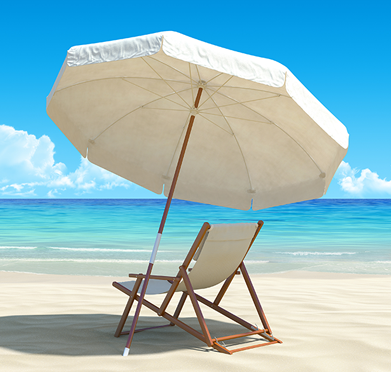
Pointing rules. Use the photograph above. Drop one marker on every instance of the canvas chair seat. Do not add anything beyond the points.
(155, 286)
(218, 253)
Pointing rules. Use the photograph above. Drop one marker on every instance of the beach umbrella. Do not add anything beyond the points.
(242, 130)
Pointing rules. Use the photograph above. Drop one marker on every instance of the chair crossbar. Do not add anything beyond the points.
(226, 313)
(223, 348)
(176, 321)
(160, 277)
(240, 335)
(232, 351)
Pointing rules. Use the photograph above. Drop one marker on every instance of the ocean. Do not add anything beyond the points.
(114, 237)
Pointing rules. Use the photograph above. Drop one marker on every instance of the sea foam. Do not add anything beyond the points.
(316, 253)
(12, 247)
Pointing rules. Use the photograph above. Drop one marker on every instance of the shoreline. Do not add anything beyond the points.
(9, 276)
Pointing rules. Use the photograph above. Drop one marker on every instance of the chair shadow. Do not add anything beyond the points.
(93, 334)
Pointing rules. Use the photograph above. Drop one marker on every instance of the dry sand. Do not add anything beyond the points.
(327, 322)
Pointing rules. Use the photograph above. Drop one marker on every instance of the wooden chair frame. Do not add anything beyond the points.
(196, 299)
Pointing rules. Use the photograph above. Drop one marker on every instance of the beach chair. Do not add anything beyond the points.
(218, 251)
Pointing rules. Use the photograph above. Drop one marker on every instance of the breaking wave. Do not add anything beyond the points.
(316, 253)
(98, 249)
(90, 260)
(9, 247)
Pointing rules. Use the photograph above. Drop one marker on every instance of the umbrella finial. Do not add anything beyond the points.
(201, 84)
(194, 111)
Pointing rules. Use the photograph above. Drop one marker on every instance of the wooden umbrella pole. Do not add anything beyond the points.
(162, 223)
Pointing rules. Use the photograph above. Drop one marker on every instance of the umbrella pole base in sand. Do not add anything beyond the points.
(138, 309)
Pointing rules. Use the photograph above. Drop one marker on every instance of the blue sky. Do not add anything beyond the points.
(340, 50)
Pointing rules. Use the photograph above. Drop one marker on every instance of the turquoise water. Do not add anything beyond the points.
(115, 237)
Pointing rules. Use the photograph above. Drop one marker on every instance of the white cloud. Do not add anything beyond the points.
(61, 181)
(15, 190)
(17, 187)
(362, 184)
(27, 162)
(52, 193)
(24, 158)
(90, 177)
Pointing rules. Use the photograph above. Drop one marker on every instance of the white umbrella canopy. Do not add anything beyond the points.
(259, 138)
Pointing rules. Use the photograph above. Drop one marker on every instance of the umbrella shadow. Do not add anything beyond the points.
(93, 334)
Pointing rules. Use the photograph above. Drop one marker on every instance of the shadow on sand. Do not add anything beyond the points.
(93, 334)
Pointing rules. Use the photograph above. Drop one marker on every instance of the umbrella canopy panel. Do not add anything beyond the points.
(259, 137)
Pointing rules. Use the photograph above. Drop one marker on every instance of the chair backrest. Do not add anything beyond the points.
(220, 253)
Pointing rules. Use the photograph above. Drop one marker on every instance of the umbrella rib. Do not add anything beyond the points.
(257, 90)
(210, 96)
(191, 83)
(198, 72)
(240, 103)
(116, 77)
(142, 106)
(297, 143)
(164, 79)
(157, 79)
(163, 97)
(173, 68)
(164, 109)
(252, 100)
(272, 122)
(215, 124)
(234, 117)
(88, 81)
(237, 142)
(95, 138)
(214, 77)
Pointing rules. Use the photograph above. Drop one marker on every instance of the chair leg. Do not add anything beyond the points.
(223, 289)
(127, 308)
(196, 306)
(255, 299)
(124, 317)
(138, 309)
(179, 307)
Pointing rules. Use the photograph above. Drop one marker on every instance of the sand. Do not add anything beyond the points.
(327, 322)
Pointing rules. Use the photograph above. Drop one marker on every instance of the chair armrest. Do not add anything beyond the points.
(159, 277)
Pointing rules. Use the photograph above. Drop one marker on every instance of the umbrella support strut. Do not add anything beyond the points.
(162, 223)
